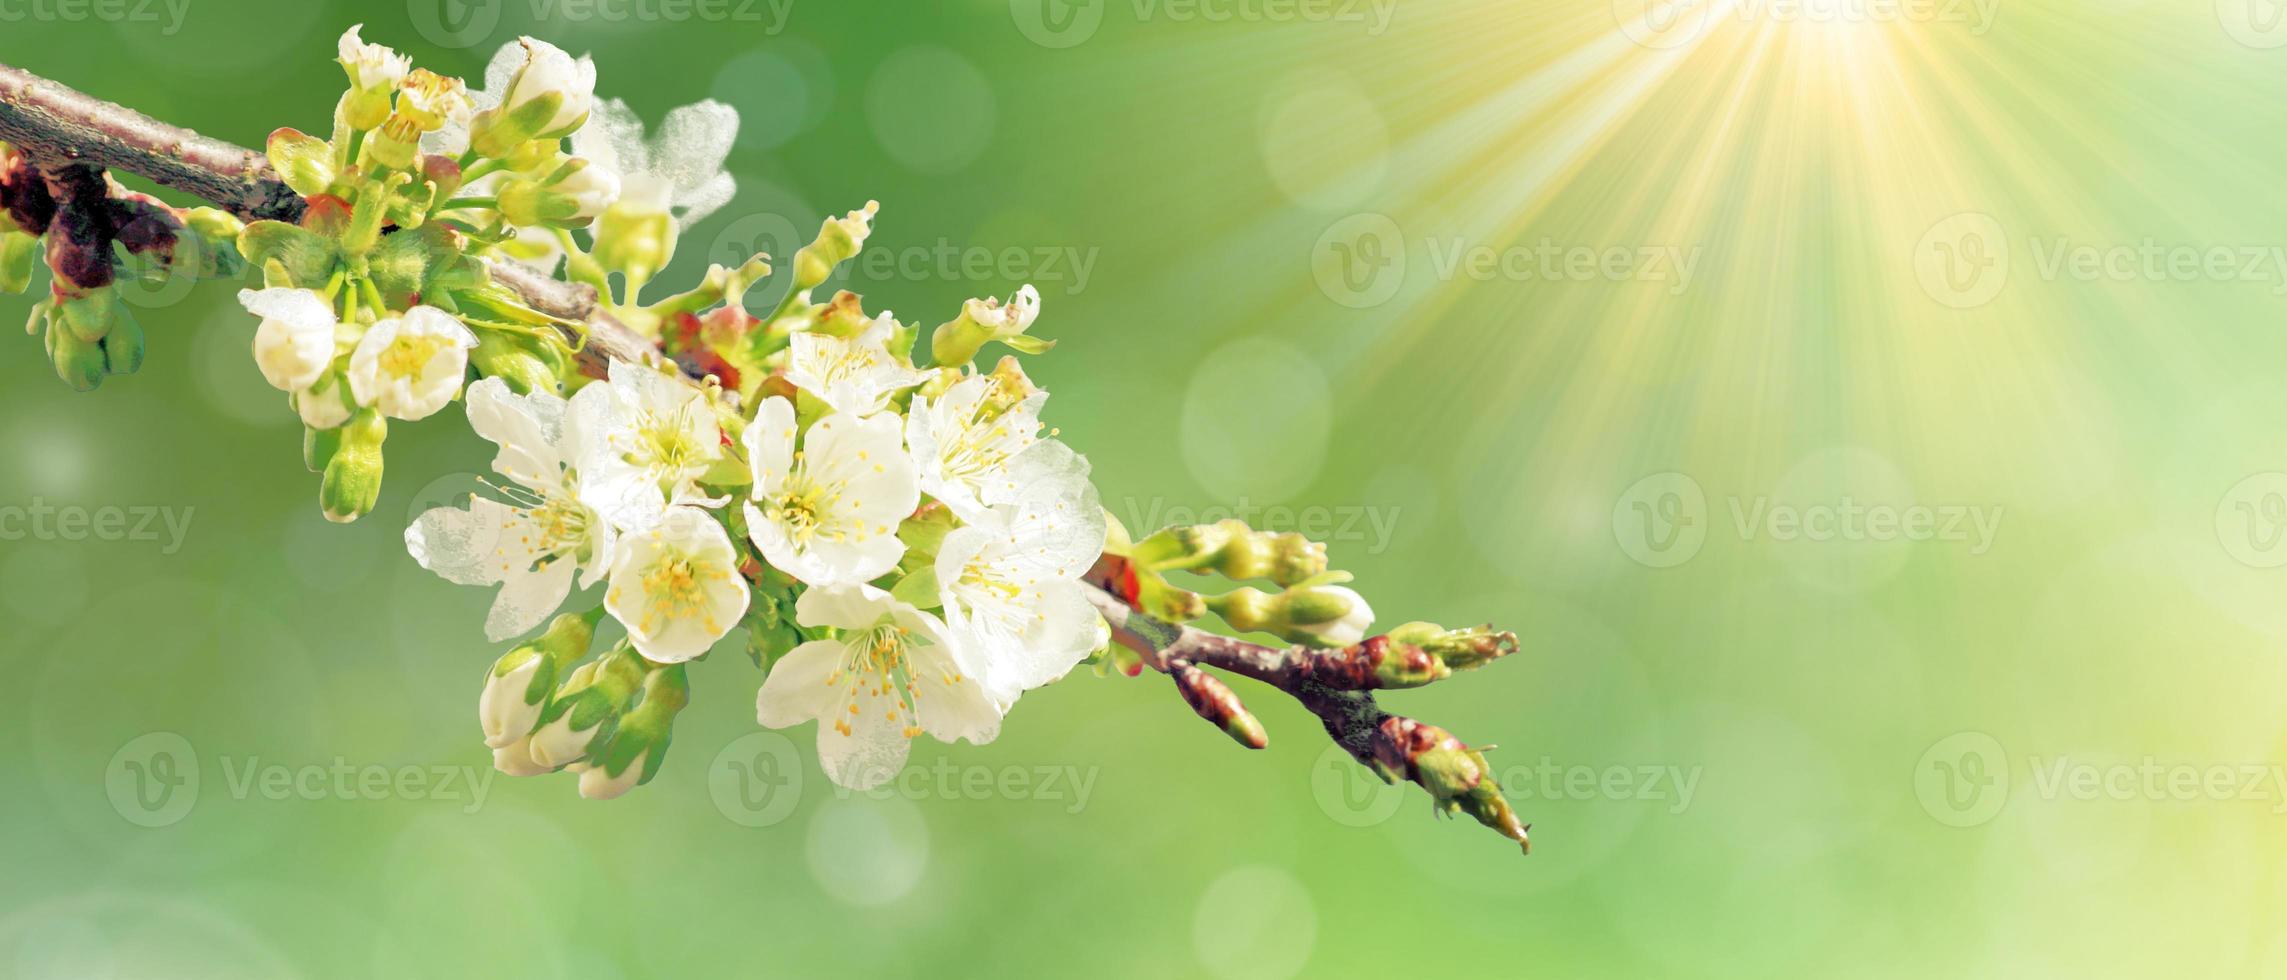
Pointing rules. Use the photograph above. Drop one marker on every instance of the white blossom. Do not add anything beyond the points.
(828, 515)
(679, 171)
(649, 438)
(532, 546)
(1010, 581)
(410, 366)
(962, 452)
(676, 587)
(296, 340)
(854, 374)
(547, 70)
(370, 66)
(893, 674)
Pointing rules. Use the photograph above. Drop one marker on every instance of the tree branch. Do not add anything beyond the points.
(72, 137)
(56, 125)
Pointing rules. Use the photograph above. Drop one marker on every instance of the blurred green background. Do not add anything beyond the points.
(1597, 322)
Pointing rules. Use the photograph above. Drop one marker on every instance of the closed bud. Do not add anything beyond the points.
(586, 707)
(79, 363)
(304, 162)
(515, 691)
(19, 254)
(123, 346)
(1324, 615)
(514, 359)
(88, 312)
(1235, 551)
(515, 759)
(571, 197)
(548, 98)
(352, 482)
(638, 744)
(1460, 649)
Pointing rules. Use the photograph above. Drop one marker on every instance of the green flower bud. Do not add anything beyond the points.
(570, 197)
(585, 708)
(123, 346)
(635, 748)
(19, 254)
(1459, 649)
(353, 476)
(80, 363)
(87, 312)
(318, 446)
(1321, 615)
(515, 359)
(985, 320)
(516, 689)
(304, 162)
(1233, 550)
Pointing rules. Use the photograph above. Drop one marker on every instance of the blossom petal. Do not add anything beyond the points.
(797, 688)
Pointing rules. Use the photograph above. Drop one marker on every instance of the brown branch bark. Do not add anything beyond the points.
(58, 125)
(73, 137)
(1390, 744)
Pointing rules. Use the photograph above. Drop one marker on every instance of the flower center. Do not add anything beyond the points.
(675, 587)
(876, 661)
(409, 353)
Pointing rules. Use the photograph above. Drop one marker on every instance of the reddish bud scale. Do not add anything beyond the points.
(24, 195)
(686, 345)
(1214, 701)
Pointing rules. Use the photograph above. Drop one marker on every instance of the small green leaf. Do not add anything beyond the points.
(306, 257)
(918, 589)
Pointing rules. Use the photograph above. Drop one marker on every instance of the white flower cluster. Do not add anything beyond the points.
(405, 366)
(631, 482)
